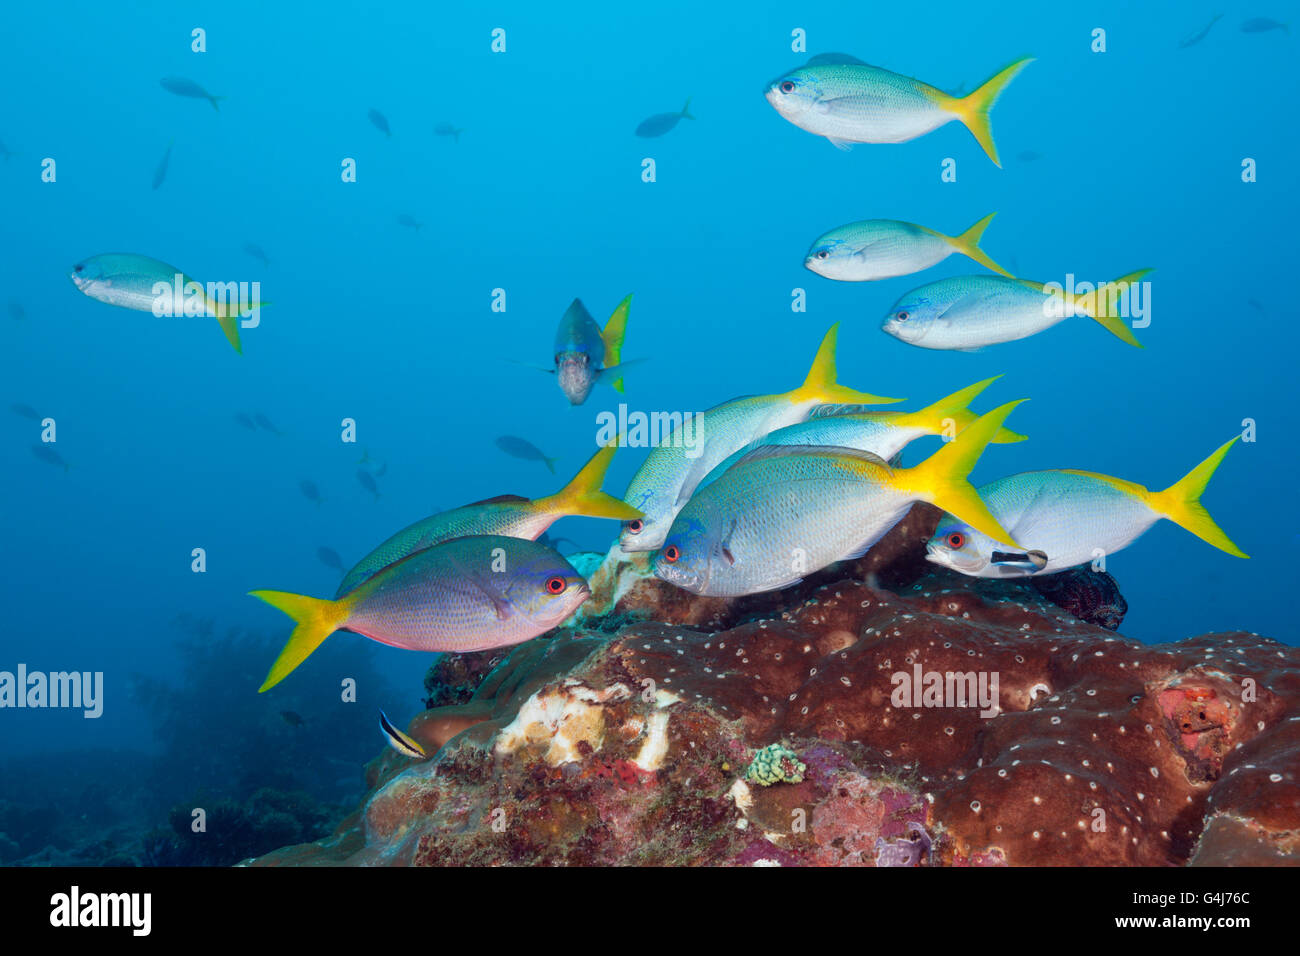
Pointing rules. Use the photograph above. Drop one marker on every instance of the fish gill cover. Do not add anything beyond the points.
(298, 330)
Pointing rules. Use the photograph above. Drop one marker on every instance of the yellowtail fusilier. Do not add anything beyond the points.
(584, 352)
(1068, 518)
(969, 312)
(848, 101)
(675, 467)
(508, 515)
(884, 248)
(143, 284)
(784, 512)
(467, 594)
(882, 433)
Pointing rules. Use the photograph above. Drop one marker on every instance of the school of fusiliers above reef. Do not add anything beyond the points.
(722, 686)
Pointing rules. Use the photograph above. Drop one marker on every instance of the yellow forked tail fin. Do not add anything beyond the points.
(613, 335)
(968, 244)
(582, 495)
(820, 385)
(316, 620)
(1181, 503)
(1103, 305)
(950, 415)
(973, 109)
(943, 478)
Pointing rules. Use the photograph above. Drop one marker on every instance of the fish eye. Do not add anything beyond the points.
(672, 553)
(903, 316)
(787, 86)
(556, 585)
(955, 540)
(78, 267)
(823, 254)
(635, 525)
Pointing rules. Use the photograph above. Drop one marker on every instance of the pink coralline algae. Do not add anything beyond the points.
(939, 720)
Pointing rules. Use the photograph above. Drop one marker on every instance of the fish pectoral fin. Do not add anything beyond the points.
(840, 144)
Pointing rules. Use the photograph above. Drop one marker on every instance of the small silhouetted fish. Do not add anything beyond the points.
(330, 558)
(256, 252)
(266, 423)
(1200, 34)
(243, 419)
(47, 454)
(368, 483)
(408, 221)
(446, 129)
(554, 543)
(16, 310)
(1263, 25)
(310, 491)
(160, 173)
(517, 447)
(1029, 156)
(292, 718)
(183, 87)
(26, 411)
(662, 123)
(380, 122)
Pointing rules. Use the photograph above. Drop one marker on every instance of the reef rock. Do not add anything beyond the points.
(898, 718)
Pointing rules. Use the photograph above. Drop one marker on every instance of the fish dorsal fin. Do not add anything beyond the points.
(498, 500)
(577, 310)
(763, 452)
(831, 59)
(835, 411)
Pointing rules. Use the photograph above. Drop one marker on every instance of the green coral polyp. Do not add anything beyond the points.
(775, 764)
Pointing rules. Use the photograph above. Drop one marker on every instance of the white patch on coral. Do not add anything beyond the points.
(560, 718)
(741, 795)
(655, 748)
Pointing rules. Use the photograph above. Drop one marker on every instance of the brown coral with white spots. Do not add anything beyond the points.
(630, 745)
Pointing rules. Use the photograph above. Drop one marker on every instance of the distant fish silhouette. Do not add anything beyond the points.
(446, 129)
(368, 483)
(47, 454)
(310, 491)
(243, 419)
(26, 411)
(1257, 306)
(160, 173)
(330, 558)
(409, 222)
(256, 252)
(1200, 34)
(16, 310)
(662, 123)
(188, 88)
(380, 122)
(292, 718)
(517, 447)
(1263, 25)
(265, 422)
